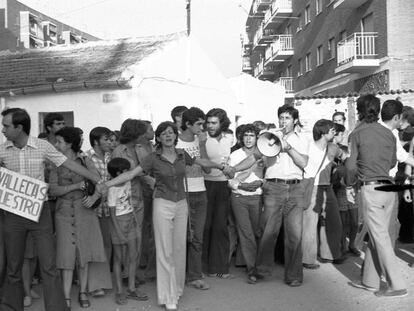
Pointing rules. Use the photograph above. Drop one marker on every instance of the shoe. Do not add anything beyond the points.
(359, 284)
(251, 279)
(198, 284)
(294, 283)
(171, 307)
(98, 293)
(136, 295)
(354, 251)
(391, 293)
(311, 266)
(27, 301)
(339, 261)
(83, 300)
(221, 275)
(323, 260)
(120, 299)
(258, 275)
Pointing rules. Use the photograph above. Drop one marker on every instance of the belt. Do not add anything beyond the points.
(284, 181)
(376, 182)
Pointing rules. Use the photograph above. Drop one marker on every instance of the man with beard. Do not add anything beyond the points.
(246, 201)
(216, 236)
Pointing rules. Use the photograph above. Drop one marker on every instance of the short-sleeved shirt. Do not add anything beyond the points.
(169, 177)
(120, 198)
(283, 166)
(315, 154)
(218, 150)
(194, 172)
(30, 160)
(373, 153)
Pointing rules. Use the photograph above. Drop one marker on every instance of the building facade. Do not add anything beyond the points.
(332, 47)
(21, 27)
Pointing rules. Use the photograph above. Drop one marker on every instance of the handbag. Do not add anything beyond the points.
(308, 184)
(90, 188)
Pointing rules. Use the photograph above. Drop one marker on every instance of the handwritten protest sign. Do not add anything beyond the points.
(22, 195)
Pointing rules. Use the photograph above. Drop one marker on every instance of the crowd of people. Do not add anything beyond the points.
(177, 204)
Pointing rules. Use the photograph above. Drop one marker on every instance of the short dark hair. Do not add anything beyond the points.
(286, 108)
(339, 113)
(192, 115)
(97, 132)
(162, 127)
(70, 135)
(19, 117)
(246, 129)
(408, 114)
(339, 128)
(43, 135)
(260, 125)
(390, 108)
(118, 165)
(239, 130)
(321, 127)
(368, 108)
(222, 116)
(176, 111)
(50, 118)
(132, 129)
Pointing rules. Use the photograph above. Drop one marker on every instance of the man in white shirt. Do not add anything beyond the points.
(193, 120)
(283, 199)
(216, 236)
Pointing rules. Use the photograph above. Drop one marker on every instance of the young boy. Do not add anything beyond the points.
(123, 232)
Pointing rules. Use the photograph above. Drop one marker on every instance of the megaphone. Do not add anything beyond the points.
(269, 144)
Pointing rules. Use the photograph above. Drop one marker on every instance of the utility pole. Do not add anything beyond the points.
(188, 7)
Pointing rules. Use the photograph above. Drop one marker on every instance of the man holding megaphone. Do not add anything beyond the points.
(284, 152)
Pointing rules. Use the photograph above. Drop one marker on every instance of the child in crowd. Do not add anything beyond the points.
(123, 232)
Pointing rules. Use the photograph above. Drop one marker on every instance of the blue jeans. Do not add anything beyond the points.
(282, 202)
(246, 209)
(198, 212)
(16, 229)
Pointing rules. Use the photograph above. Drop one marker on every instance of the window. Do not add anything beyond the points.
(367, 23)
(300, 71)
(319, 55)
(300, 23)
(308, 65)
(342, 35)
(288, 71)
(307, 15)
(331, 48)
(288, 30)
(318, 6)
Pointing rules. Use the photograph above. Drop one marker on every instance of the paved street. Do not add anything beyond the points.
(323, 289)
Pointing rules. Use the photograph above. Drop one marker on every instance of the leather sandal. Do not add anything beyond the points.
(83, 300)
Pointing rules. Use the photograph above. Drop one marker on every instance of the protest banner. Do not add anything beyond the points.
(22, 195)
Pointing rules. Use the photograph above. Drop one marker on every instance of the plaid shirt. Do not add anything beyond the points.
(101, 166)
(30, 160)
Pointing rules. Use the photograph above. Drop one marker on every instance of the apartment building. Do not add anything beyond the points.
(332, 47)
(21, 27)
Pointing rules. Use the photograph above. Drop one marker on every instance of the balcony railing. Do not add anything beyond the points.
(360, 45)
(262, 36)
(259, 6)
(278, 7)
(287, 83)
(349, 4)
(263, 71)
(283, 46)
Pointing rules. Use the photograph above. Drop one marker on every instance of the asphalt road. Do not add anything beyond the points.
(322, 289)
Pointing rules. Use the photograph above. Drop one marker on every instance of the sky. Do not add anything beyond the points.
(217, 24)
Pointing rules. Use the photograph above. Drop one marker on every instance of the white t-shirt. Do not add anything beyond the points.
(218, 151)
(315, 155)
(195, 176)
(246, 176)
(120, 197)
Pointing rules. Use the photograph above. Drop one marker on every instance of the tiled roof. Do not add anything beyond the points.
(94, 61)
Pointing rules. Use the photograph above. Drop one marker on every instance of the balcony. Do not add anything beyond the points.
(348, 4)
(287, 83)
(357, 53)
(276, 14)
(260, 7)
(279, 50)
(263, 72)
(246, 65)
(262, 38)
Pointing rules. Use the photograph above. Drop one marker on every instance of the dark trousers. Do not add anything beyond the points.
(197, 211)
(349, 220)
(246, 209)
(216, 246)
(282, 202)
(16, 229)
(406, 218)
